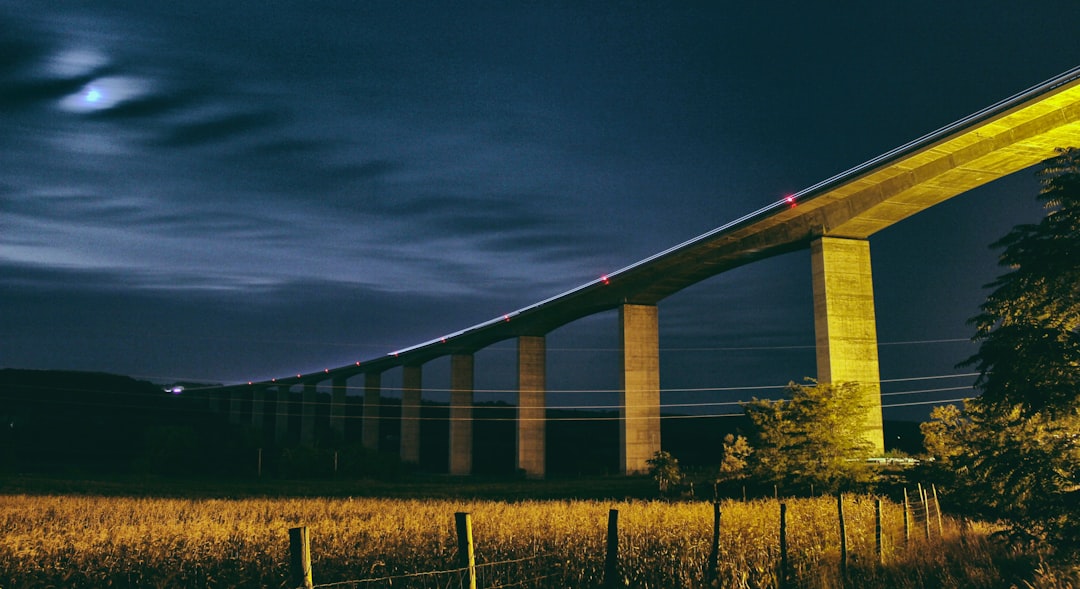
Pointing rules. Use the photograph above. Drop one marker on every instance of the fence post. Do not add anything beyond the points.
(300, 558)
(877, 531)
(714, 554)
(926, 510)
(611, 562)
(907, 519)
(843, 534)
(783, 545)
(937, 508)
(466, 555)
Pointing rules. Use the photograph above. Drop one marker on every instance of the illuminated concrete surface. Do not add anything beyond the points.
(639, 423)
(845, 330)
(532, 406)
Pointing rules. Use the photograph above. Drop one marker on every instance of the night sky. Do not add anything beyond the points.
(234, 191)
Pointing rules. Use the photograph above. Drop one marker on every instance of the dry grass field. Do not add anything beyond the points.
(92, 541)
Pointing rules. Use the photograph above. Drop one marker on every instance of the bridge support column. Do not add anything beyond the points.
(639, 413)
(531, 425)
(281, 414)
(339, 389)
(372, 384)
(307, 414)
(258, 407)
(411, 386)
(461, 401)
(236, 405)
(844, 322)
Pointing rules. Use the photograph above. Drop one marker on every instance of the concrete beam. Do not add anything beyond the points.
(461, 402)
(532, 411)
(639, 413)
(372, 386)
(845, 326)
(411, 397)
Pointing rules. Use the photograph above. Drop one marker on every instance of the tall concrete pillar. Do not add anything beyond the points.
(372, 386)
(236, 406)
(307, 415)
(532, 410)
(411, 386)
(845, 328)
(339, 389)
(639, 412)
(281, 417)
(258, 407)
(461, 401)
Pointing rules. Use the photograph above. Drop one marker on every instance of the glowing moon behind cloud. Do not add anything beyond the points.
(103, 94)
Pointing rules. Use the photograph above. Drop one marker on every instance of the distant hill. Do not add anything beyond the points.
(95, 422)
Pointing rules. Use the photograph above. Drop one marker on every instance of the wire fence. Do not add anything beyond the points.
(877, 531)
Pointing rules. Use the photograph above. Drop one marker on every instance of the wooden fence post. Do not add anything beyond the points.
(843, 534)
(466, 554)
(907, 519)
(714, 553)
(937, 508)
(877, 531)
(300, 558)
(926, 510)
(783, 545)
(611, 562)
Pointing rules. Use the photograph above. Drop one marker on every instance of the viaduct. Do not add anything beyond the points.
(833, 218)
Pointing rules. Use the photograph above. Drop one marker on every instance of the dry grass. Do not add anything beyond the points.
(77, 541)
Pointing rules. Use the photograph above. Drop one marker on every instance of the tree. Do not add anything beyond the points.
(734, 464)
(1014, 453)
(1023, 470)
(1029, 352)
(665, 469)
(817, 437)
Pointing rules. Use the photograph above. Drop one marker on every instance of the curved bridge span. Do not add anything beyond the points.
(833, 218)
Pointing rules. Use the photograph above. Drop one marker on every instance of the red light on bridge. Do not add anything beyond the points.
(506, 318)
(605, 279)
(790, 199)
(357, 362)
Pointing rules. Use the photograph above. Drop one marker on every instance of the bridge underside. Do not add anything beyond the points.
(834, 219)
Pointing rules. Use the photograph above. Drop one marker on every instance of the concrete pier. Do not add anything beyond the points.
(411, 387)
(639, 424)
(461, 402)
(307, 414)
(281, 414)
(532, 411)
(372, 386)
(258, 407)
(845, 326)
(339, 390)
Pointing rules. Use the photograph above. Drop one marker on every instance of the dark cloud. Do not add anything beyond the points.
(229, 190)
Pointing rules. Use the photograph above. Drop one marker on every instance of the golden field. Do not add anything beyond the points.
(92, 541)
